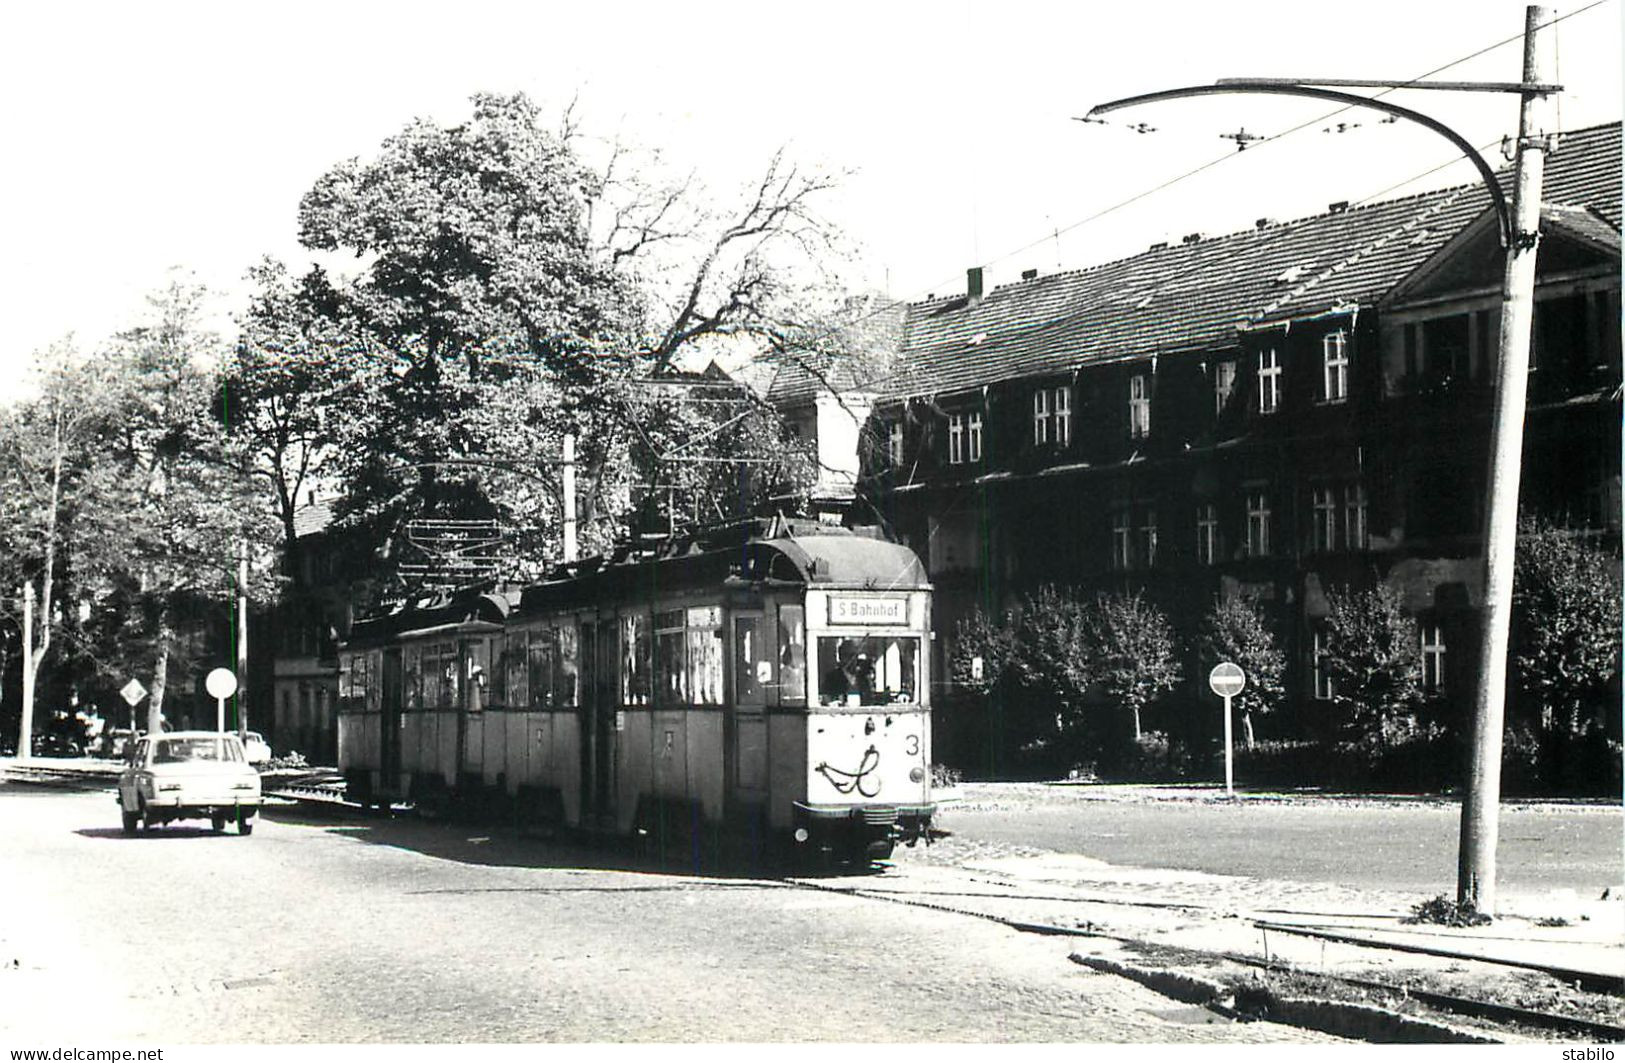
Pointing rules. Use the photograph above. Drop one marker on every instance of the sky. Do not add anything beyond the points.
(159, 136)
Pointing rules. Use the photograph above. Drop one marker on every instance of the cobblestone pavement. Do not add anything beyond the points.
(366, 930)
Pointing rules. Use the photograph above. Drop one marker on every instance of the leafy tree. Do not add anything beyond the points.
(282, 387)
(1236, 630)
(514, 293)
(48, 504)
(1373, 660)
(1566, 620)
(176, 516)
(1134, 654)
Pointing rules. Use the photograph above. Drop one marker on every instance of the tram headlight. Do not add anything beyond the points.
(916, 774)
(801, 834)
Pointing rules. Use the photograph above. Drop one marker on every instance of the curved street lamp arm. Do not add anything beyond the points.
(1502, 212)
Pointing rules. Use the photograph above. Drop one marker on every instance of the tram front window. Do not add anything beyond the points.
(877, 670)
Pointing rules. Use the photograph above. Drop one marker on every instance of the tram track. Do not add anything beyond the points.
(1212, 995)
(1499, 1015)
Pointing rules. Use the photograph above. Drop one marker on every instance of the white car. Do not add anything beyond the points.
(189, 775)
(256, 748)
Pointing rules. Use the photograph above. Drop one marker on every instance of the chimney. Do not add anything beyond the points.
(1193, 238)
(1264, 223)
(1029, 274)
(1160, 245)
(1337, 208)
(973, 283)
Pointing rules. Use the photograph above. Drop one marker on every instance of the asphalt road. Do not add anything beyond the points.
(362, 929)
(1399, 845)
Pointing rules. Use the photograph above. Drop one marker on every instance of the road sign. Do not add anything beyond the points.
(133, 692)
(220, 683)
(1227, 680)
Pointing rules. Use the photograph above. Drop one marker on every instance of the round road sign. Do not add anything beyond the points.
(1227, 680)
(220, 683)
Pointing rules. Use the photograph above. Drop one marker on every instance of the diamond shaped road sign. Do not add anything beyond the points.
(133, 692)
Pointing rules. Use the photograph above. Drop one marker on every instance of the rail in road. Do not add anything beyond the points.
(327, 789)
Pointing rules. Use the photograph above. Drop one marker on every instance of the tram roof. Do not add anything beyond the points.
(826, 557)
(430, 616)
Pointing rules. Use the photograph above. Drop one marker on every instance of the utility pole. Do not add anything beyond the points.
(1480, 809)
(25, 737)
(1520, 232)
(242, 642)
(569, 492)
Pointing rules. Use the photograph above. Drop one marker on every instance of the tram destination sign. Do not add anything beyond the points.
(851, 609)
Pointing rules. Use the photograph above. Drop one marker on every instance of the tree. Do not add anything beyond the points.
(1566, 620)
(514, 294)
(281, 389)
(175, 514)
(1373, 660)
(1235, 630)
(1135, 656)
(47, 500)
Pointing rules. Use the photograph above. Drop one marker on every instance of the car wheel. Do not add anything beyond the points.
(145, 815)
(245, 824)
(218, 822)
(131, 820)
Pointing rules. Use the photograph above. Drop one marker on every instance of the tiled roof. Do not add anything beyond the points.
(1196, 295)
(858, 352)
(313, 518)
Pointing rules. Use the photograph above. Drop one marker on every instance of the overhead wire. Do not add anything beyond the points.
(892, 304)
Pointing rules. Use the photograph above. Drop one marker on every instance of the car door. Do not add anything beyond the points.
(132, 771)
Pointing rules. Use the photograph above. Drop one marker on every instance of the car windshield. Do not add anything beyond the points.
(178, 750)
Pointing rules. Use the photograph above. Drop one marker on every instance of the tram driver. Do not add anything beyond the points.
(852, 680)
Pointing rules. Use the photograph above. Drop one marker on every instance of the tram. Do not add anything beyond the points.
(769, 685)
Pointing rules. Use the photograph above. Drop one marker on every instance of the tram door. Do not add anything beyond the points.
(599, 667)
(389, 737)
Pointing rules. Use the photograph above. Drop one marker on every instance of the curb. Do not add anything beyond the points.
(1360, 1022)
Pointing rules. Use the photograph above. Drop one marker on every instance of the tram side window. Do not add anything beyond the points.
(539, 667)
(635, 653)
(669, 689)
(440, 675)
(412, 672)
(566, 676)
(753, 662)
(876, 670)
(792, 655)
(705, 655)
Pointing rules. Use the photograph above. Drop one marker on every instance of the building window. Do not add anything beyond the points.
(1324, 505)
(1207, 533)
(1432, 657)
(1122, 539)
(1063, 416)
(956, 439)
(973, 437)
(1323, 677)
(1041, 417)
(1335, 378)
(1148, 537)
(1258, 524)
(1354, 509)
(1139, 406)
(1224, 386)
(1269, 381)
(894, 444)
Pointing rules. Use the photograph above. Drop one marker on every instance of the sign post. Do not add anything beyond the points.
(133, 692)
(1227, 680)
(221, 684)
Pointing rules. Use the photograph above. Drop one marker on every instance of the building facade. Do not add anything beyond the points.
(1295, 408)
